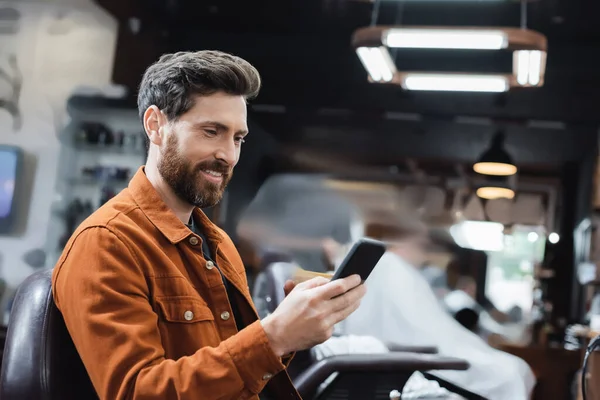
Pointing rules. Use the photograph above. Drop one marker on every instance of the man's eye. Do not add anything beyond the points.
(240, 140)
(210, 131)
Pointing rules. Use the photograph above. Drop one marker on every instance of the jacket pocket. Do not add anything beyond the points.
(186, 324)
(184, 309)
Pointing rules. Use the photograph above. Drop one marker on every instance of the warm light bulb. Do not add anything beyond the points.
(493, 193)
(494, 168)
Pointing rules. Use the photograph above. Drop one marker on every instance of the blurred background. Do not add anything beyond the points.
(470, 125)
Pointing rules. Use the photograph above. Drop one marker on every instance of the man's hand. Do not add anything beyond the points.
(307, 315)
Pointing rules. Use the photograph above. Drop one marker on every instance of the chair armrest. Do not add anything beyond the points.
(308, 382)
(394, 347)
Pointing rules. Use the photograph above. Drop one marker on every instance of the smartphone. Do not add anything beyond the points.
(361, 259)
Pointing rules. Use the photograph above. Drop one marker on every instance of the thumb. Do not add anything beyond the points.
(288, 287)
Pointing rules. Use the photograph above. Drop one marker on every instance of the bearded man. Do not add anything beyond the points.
(153, 294)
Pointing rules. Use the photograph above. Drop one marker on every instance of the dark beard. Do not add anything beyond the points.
(187, 181)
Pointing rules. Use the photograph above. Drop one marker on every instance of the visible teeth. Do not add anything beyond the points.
(214, 173)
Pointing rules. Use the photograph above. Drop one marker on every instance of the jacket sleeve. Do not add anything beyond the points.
(103, 296)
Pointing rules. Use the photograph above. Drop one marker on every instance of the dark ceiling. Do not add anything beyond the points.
(316, 95)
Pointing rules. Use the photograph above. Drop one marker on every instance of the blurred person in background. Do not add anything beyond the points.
(484, 318)
(408, 312)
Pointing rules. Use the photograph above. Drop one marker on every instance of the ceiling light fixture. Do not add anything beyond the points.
(528, 47)
(449, 1)
(495, 160)
(454, 1)
(495, 187)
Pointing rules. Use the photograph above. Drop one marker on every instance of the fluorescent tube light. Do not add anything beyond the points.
(522, 66)
(528, 66)
(377, 62)
(456, 82)
(535, 67)
(445, 39)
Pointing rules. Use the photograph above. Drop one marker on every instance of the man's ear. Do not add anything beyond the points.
(153, 122)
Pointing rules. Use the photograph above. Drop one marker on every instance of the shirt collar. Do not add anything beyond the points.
(162, 217)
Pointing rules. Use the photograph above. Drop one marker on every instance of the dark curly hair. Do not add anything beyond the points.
(174, 80)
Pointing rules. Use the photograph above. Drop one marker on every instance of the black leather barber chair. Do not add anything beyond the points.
(369, 376)
(40, 360)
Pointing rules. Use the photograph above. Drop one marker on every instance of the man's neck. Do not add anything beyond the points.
(182, 209)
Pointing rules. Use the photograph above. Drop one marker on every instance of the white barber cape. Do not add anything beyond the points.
(400, 307)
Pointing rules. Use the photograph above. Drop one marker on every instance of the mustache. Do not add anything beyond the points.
(217, 166)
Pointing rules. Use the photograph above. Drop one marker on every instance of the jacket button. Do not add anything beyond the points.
(225, 315)
(193, 240)
(210, 265)
(188, 315)
(266, 377)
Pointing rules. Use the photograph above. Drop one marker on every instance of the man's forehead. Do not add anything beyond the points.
(227, 113)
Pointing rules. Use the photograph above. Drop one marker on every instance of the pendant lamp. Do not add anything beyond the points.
(496, 161)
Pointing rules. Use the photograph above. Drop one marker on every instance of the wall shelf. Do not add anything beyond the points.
(81, 178)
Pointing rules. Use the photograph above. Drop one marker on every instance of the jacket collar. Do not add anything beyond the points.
(162, 217)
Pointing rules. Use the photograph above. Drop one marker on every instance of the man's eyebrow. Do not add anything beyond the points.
(220, 126)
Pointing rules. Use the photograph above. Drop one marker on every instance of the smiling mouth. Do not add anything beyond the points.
(213, 176)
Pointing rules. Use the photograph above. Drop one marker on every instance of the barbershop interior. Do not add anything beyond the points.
(458, 138)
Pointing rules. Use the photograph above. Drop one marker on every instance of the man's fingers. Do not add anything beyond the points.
(343, 313)
(337, 287)
(348, 299)
(313, 283)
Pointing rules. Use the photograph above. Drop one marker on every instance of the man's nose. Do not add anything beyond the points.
(227, 153)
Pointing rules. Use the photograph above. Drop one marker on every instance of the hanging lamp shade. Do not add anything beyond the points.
(495, 160)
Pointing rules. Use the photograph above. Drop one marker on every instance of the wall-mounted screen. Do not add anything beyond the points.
(10, 173)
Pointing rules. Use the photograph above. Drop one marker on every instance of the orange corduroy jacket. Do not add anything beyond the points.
(150, 317)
